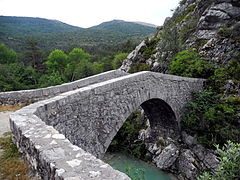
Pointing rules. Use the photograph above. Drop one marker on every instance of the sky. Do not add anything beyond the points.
(87, 13)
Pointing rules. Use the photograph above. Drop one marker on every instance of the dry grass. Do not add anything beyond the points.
(10, 108)
(12, 166)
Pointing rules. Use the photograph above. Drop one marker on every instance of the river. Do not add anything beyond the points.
(122, 162)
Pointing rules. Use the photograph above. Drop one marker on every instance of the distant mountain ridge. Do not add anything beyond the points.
(104, 38)
(145, 24)
(12, 25)
(124, 27)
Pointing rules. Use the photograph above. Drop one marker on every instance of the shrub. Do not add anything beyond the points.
(11, 166)
(188, 63)
(188, 28)
(234, 68)
(169, 39)
(212, 119)
(228, 167)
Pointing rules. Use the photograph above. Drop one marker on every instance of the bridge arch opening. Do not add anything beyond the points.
(162, 123)
(161, 117)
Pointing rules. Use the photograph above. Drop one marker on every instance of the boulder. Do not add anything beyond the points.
(167, 157)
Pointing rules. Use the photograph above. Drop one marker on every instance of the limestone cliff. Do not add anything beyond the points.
(212, 27)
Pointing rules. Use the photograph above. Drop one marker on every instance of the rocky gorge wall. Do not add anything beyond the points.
(59, 135)
(210, 27)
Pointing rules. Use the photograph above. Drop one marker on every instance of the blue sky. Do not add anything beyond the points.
(86, 13)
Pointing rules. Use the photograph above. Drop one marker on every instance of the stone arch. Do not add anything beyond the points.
(90, 117)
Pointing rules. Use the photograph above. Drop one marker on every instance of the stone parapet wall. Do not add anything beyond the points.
(25, 97)
(53, 156)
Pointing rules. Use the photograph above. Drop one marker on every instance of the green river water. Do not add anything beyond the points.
(121, 162)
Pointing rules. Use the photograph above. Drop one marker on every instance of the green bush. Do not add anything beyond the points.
(228, 167)
(169, 39)
(222, 74)
(188, 63)
(213, 119)
(188, 28)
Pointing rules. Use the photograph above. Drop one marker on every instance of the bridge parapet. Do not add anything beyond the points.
(25, 97)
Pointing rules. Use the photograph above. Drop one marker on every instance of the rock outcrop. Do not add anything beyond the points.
(212, 27)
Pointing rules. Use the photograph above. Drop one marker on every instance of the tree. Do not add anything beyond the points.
(7, 55)
(107, 63)
(33, 55)
(57, 62)
(79, 65)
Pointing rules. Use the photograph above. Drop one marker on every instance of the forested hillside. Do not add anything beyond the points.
(101, 40)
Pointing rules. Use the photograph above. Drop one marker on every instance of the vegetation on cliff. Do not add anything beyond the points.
(201, 40)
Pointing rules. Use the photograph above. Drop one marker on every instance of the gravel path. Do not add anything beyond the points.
(4, 122)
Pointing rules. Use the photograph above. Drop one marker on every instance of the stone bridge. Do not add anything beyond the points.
(63, 136)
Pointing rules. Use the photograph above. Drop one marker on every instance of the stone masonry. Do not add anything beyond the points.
(63, 136)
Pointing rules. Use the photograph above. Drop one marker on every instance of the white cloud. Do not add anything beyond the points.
(85, 13)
